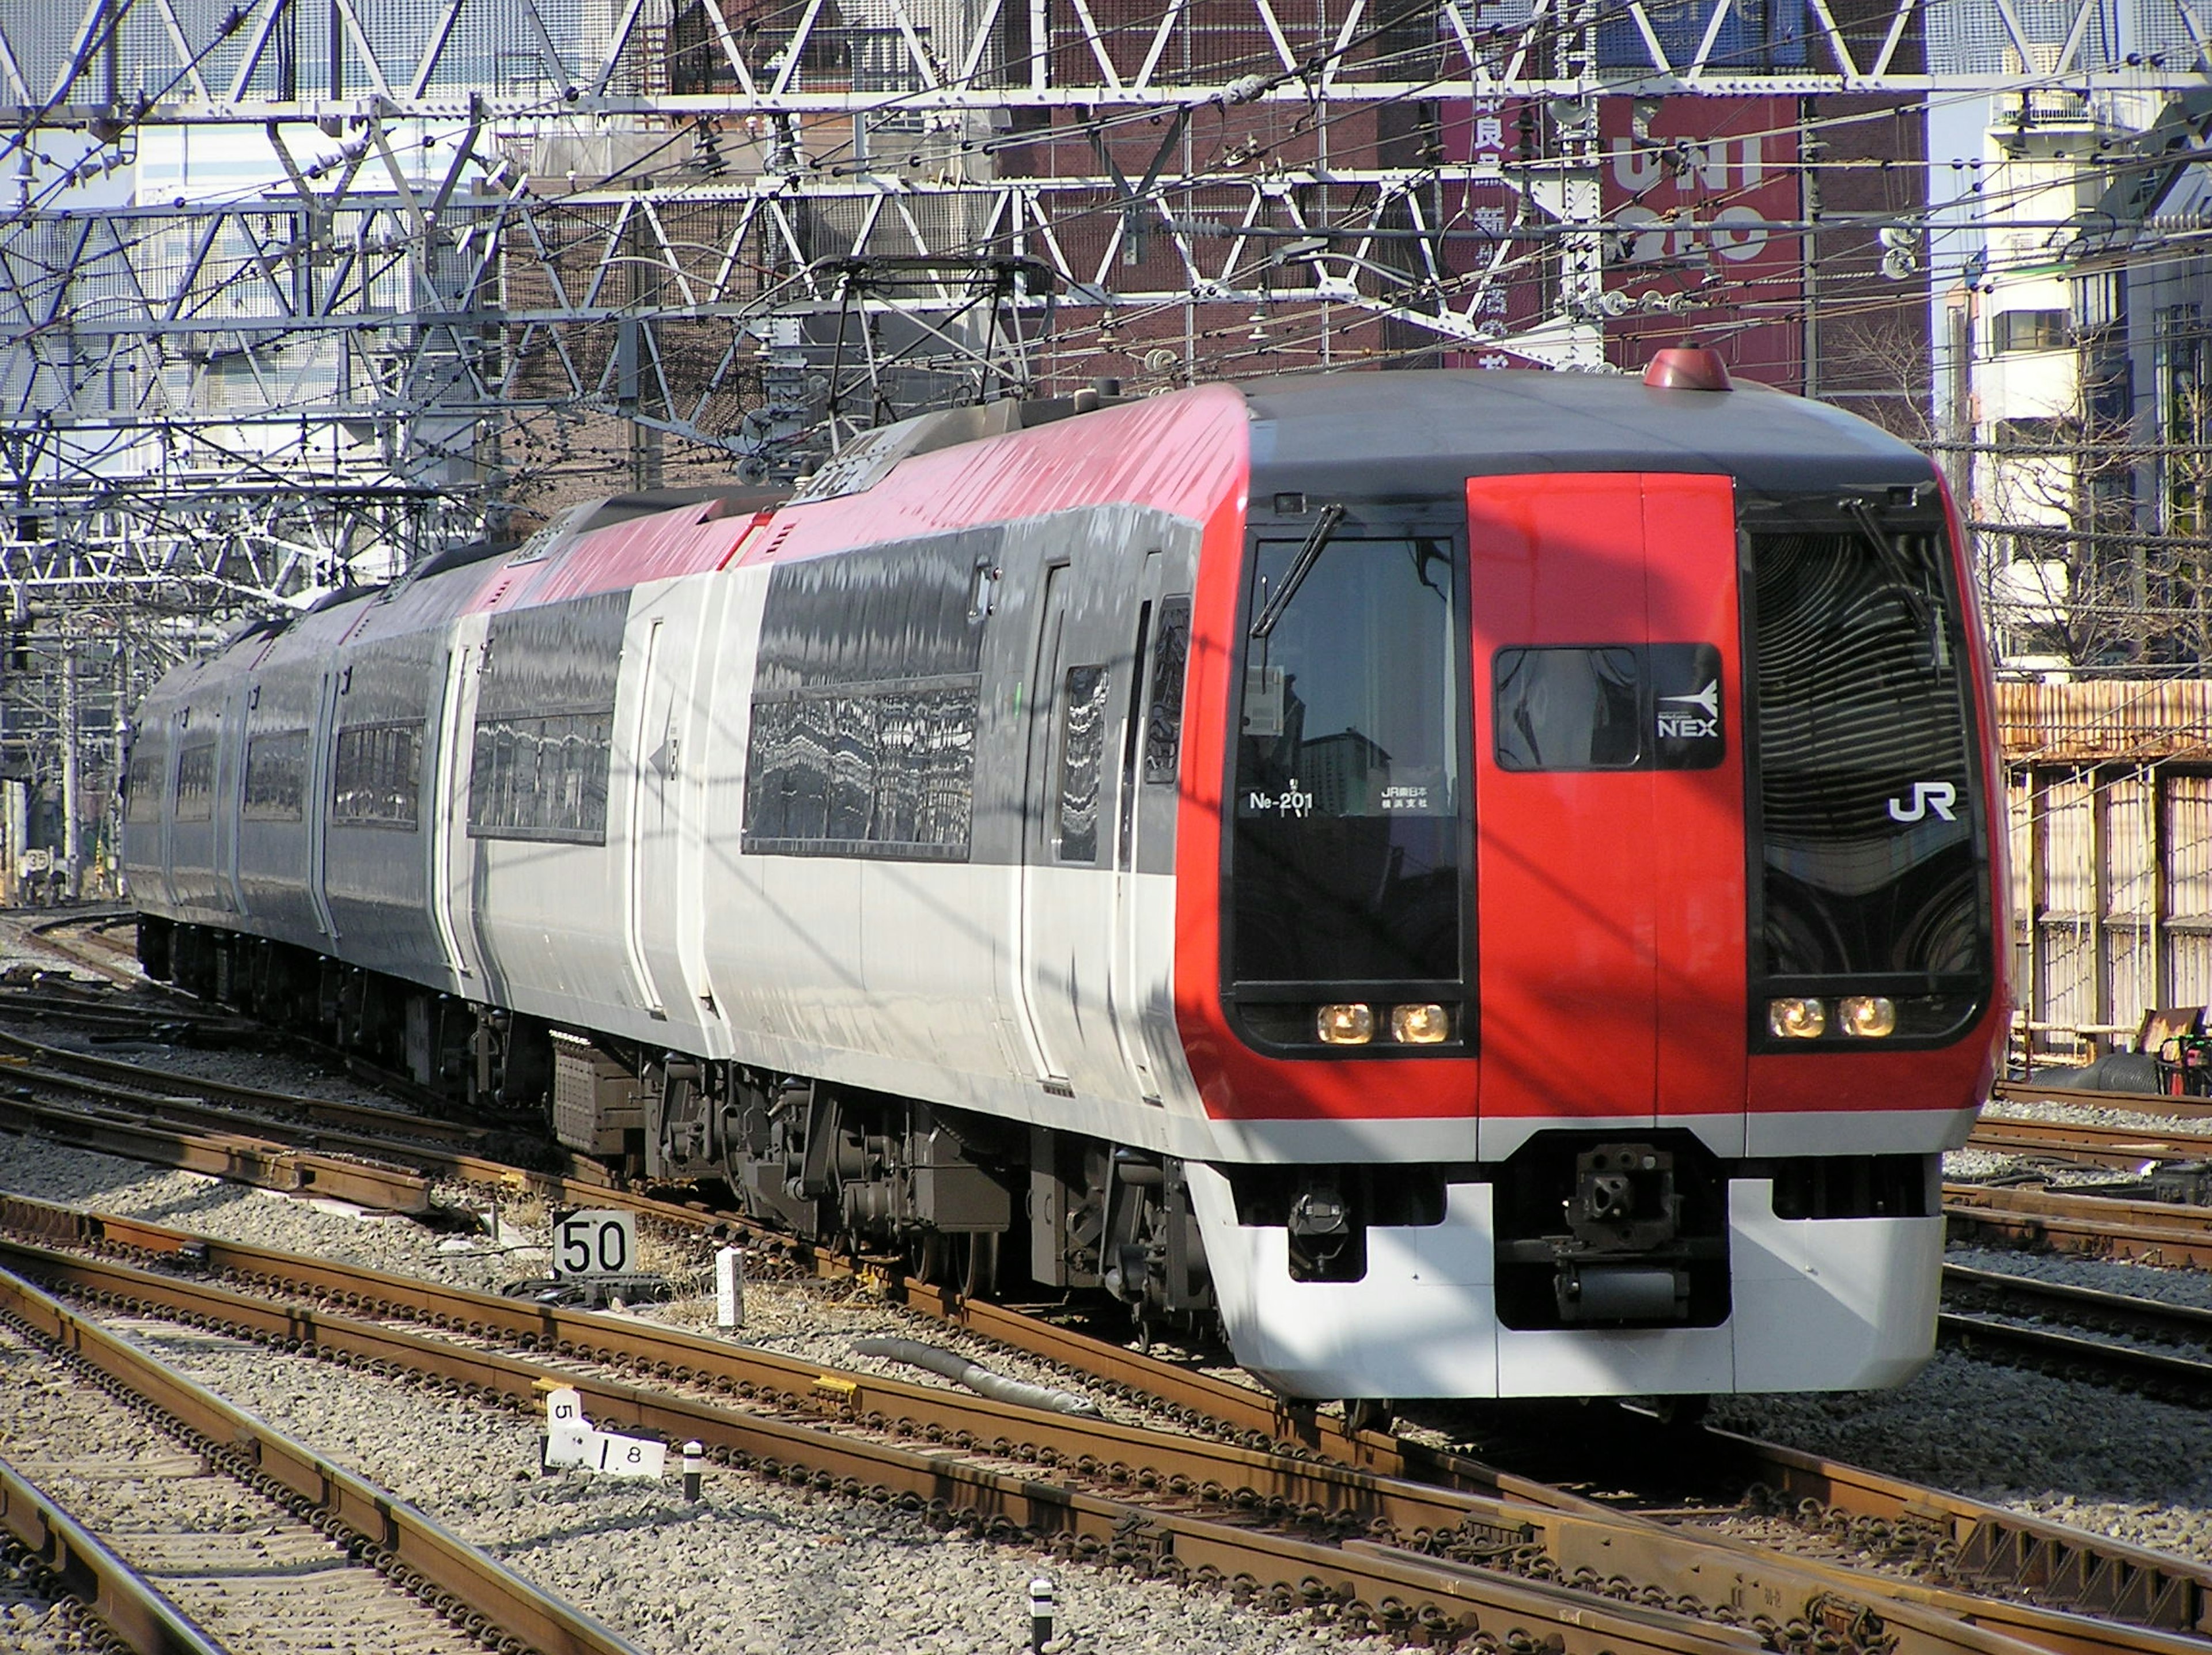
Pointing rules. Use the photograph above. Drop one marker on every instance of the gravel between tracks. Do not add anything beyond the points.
(761, 1570)
(790, 1572)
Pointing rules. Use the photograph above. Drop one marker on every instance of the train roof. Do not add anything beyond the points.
(1404, 434)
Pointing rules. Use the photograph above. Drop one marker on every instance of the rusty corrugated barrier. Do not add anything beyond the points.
(2108, 721)
(2109, 793)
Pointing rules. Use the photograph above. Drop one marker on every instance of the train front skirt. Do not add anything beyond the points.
(1814, 1304)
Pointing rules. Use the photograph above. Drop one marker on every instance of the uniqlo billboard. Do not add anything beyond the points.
(1700, 196)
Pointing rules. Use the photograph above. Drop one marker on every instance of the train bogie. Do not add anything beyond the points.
(1483, 882)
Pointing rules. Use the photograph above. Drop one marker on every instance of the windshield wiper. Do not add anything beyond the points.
(1301, 566)
(1915, 596)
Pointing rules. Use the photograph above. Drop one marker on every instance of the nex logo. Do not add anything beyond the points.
(1681, 725)
(1938, 796)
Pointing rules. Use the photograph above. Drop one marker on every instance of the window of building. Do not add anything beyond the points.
(2028, 330)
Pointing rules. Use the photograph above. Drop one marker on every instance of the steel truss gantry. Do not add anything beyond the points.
(484, 232)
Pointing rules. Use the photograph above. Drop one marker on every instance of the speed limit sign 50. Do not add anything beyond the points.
(595, 1244)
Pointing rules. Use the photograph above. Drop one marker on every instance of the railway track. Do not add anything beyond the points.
(2031, 1091)
(1253, 1417)
(2100, 1226)
(2123, 1147)
(187, 1528)
(1993, 1550)
(1979, 1302)
(1186, 1504)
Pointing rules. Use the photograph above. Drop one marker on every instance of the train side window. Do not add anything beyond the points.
(377, 780)
(1163, 722)
(1082, 747)
(275, 776)
(141, 794)
(1569, 710)
(195, 781)
(1610, 707)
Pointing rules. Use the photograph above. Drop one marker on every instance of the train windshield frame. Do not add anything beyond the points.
(1867, 812)
(1346, 864)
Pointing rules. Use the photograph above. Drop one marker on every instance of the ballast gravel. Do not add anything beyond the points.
(758, 1569)
(761, 1568)
(753, 1569)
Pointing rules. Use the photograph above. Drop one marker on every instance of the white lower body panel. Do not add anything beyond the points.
(1814, 1304)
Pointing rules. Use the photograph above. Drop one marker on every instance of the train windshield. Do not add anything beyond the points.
(1347, 847)
(1872, 834)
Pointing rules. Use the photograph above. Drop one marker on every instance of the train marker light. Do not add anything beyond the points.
(1419, 1025)
(1797, 1019)
(1344, 1026)
(1687, 368)
(1868, 1016)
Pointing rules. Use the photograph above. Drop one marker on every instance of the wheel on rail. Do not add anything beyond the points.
(979, 1264)
(1369, 1413)
(1683, 1411)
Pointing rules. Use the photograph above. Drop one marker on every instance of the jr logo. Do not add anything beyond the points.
(1938, 796)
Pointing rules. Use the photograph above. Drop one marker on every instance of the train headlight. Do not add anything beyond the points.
(1344, 1026)
(1868, 1016)
(1419, 1025)
(1797, 1019)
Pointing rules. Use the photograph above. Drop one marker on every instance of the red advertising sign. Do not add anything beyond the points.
(1701, 196)
(1502, 276)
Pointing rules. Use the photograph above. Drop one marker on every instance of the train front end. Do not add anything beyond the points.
(1597, 942)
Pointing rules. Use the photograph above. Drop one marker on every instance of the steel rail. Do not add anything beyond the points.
(2100, 1145)
(2174, 1379)
(2104, 1226)
(121, 1021)
(2139, 1102)
(123, 1600)
(86, 1072)
(1582, 1538)
(2013, 1551)
(2095, 1574)
(417, 1550)
(243, 1160)
(1400, 1588)
(2088, 1307)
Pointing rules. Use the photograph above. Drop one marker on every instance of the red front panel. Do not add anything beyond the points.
(1698, 865)
(1610, 942)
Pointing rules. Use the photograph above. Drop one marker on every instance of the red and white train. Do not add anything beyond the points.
(1486, 881)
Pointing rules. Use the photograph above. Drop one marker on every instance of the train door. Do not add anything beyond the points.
(229, 798)
(1128, 985)
(1610, 799)
(1042, 980)
(446, 808)
(1068, 888)
(666, 934)
(320, 757)
(647, 775)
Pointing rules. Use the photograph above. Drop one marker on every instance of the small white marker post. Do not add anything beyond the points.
(730, 1287)
(567, 1430)
(692, 1451)
(1040, 1614)
(569, 1439)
